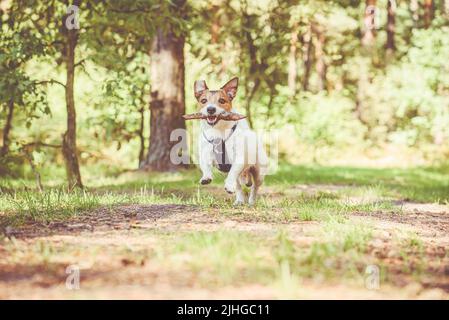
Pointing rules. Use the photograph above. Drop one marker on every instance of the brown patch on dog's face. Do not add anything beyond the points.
(217, 98)
(215, 102)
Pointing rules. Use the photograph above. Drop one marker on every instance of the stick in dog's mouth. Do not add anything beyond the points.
(226, 116)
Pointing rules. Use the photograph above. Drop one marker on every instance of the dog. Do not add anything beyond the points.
(230, 145)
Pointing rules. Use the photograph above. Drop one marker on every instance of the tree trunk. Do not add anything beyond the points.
(167, 98)
(215, 27)
(7, 129)
(367, 42)
(292, 63)
(307, 59)
(141, 136)
(69, 149)
(428, 13)
(391, 26)
(369, 34)
(253, 67)
(321, 67)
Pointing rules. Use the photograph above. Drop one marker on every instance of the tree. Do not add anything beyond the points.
(391, 26)
(69, 149)
(428, 12)
(167, 90)
(307, 57)
(292, 59)
(18, 45)
(320, 55)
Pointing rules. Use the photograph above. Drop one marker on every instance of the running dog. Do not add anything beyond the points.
(227, 142)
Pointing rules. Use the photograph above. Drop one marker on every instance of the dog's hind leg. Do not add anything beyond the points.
(257, 182)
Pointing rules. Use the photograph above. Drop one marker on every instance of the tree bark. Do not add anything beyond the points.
(253, 67)
(321, 66)
(141, 136)
(367, 42)
(7, 129)
(391, 26)
(167, 98)
(307, 58)
(369, 34)
(292, 61)
(428, 13)
(69, 149)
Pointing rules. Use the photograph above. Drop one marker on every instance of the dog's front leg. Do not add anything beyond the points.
(206, 163)
(237, 155)
(233, 175)
(239, 195)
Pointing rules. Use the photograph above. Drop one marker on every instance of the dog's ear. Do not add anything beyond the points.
(231, 87)
(199, 87)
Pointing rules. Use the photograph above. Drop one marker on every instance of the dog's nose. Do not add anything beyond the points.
(211, 110)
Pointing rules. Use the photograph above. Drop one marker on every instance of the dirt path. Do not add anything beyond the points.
(118, 252)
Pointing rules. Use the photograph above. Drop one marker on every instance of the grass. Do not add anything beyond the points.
(373, 189)
(422, 184)
(338, 246)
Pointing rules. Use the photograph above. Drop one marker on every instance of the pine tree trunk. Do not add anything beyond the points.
(307, 59)
(167, 98)
(367, 42)
(141, 136)
(428, 13)
(69, 149)
(292, 61)
(321, 67)
(7, 129)
(391, 26)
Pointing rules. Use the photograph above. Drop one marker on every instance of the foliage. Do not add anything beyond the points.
(365, 99)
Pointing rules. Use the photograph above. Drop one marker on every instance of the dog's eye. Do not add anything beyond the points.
(222, 101)
(203, 101)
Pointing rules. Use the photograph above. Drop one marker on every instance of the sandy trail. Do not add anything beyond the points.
(34, 258)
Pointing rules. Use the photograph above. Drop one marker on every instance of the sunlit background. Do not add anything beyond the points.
(345, 82)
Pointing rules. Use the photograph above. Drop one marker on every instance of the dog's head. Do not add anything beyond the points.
(215, 102)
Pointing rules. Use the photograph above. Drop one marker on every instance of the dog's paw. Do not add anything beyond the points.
(204, 181)
(239, 202)
(230, 187)
(252, 200)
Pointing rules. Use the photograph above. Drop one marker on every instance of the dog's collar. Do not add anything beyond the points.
(224, 140)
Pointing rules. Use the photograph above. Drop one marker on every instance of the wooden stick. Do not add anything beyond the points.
(226, 116)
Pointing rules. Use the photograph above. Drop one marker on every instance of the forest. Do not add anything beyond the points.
(356, 92)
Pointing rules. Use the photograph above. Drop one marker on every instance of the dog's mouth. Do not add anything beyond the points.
(212, 120)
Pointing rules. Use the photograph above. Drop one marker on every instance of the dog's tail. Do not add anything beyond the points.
(250, 176)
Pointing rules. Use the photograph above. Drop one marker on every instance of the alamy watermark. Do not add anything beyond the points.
(72, 20)
(72, 281)
(372, 280)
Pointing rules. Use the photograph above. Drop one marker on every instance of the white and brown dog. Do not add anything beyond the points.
(227, 142)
